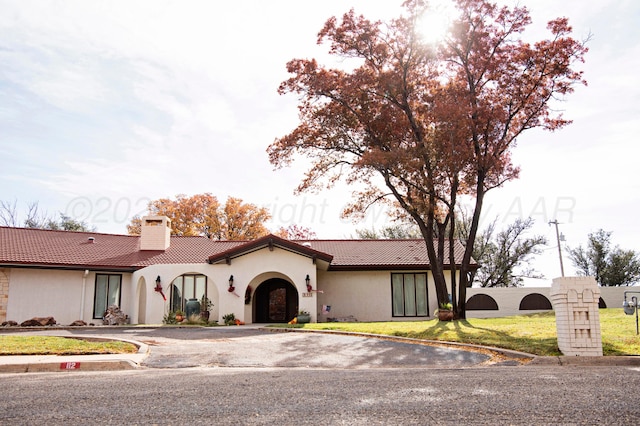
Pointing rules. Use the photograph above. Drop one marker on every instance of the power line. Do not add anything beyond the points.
(555, 222)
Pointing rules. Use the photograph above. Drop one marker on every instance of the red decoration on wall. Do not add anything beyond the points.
(158, 288)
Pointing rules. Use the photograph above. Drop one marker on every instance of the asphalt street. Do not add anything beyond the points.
(249, 375)
(509, 395)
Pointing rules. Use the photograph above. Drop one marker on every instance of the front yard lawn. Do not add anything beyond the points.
(49, 345)
(533, 333)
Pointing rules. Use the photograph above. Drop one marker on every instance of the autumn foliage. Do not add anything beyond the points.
(423, 124)
(295, 232)
(203, 215)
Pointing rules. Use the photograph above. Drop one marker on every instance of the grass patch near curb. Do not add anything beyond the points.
(533, 333)
(49, 345)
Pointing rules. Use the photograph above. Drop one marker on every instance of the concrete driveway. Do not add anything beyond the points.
(257, 346)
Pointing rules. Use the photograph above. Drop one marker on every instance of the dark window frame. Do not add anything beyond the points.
(415, 295)
(183, 297)
(99, 315)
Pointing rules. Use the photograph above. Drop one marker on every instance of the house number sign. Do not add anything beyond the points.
(69, 365)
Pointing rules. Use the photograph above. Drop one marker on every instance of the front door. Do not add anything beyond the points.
(275, 301)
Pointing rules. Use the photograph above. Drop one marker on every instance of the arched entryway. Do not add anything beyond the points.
(275, 301)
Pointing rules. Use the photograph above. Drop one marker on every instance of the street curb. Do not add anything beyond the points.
(592, 361)
(50, 367)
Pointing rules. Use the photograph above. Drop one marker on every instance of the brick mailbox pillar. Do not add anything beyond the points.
(575, 301)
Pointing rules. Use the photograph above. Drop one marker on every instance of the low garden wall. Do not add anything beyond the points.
(501, 302)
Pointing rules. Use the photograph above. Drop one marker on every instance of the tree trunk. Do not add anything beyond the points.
(436, 263)
(466, 259)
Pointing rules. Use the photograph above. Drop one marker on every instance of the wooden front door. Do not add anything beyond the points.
(276, 301)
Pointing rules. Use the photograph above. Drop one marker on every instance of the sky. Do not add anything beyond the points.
(107, 105)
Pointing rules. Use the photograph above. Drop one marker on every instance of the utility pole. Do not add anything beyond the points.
(555, 222)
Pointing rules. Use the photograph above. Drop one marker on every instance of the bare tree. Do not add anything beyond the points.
(504, 259)
(9, 213)
(41, 220)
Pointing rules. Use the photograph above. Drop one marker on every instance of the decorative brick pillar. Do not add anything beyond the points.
(575, 301)
(4, 295)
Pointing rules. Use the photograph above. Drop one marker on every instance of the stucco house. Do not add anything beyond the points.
(77, 275)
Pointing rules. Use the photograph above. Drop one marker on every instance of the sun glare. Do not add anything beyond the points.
(436, 20)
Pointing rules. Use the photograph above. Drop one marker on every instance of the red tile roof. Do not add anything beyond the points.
(76, 250)
(38, 247)
(380, 254)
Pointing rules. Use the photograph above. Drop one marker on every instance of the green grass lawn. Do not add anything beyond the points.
(534, 333)
(49, 345)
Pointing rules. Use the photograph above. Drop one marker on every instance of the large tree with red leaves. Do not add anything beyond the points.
(422, 124)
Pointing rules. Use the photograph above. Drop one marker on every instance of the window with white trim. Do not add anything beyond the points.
(409, 295)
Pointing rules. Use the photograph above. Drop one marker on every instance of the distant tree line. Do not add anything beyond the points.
(35, 218)
(611, 266)
(504, 256)
(203, 215)
(196, 215)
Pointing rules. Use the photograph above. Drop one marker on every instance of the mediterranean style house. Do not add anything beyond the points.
(77, 275)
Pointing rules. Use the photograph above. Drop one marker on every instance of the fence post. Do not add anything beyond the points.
(575, 302)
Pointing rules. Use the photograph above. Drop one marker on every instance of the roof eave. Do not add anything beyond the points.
(395, 267)
(66, 267)
(270, 241)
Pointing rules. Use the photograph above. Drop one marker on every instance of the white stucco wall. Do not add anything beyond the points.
(254, 268)
(365, 295)
(251, 269)
(46, 292)
(155, 308)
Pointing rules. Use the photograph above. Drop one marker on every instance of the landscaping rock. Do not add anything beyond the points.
(78, 323)
(114, 316)
(9, 324)
(350, 318)
(38, 322)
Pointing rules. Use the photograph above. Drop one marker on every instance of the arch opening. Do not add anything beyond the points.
(275, 301)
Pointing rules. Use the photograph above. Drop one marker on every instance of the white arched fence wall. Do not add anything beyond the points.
(508, 299)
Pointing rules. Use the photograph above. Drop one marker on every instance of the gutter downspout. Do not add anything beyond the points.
(84, 286)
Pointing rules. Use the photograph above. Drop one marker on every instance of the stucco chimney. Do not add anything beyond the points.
(155, 233)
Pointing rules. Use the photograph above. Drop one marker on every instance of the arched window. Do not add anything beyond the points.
(481, 302)
(185, 287)
(534, 301)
